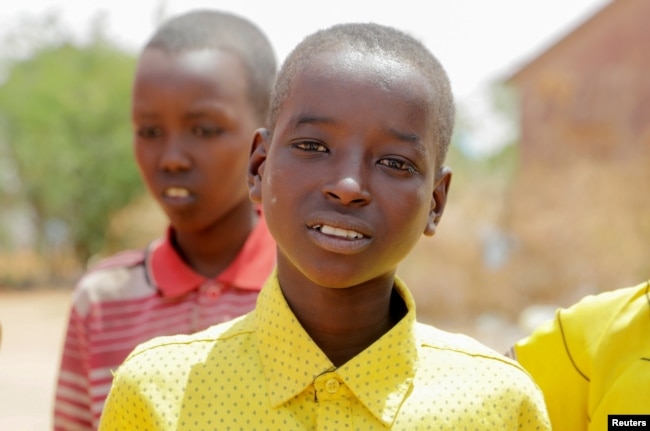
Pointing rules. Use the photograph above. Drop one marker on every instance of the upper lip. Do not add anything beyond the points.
(344, 225)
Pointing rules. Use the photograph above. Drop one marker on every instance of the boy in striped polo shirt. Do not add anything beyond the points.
(201, 89)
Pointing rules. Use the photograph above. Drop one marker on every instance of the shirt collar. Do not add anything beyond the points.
(250, 268)
(290, 368)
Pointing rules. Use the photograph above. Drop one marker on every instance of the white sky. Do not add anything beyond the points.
(477, 41)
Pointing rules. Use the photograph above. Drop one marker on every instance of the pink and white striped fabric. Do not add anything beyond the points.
(137, 295)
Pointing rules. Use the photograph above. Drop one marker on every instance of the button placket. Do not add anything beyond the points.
(211, 289)
(207, 295)
(332, 386)
(329, 386)
(334, 402)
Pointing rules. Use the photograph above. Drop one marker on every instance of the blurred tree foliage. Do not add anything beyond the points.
(64, 123)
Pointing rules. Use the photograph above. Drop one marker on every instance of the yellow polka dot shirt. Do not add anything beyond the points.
(264, 372)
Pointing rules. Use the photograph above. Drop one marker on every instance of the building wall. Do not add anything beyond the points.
(589, 95)
(580, 203)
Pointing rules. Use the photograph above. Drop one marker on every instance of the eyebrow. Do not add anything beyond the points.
(305, 119)
(193, 114)
(413, 139)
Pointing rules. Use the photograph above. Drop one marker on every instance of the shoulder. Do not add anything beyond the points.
(454, 361)
(611, 301)
(431, 337)
(122, 259)
(118, 277)
(111, 267)
(463, 347)
(195, 345)
(594, 314)
(435, 338)
(576, 333)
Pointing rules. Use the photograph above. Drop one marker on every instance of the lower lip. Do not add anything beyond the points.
(178, 201)
(339, 245)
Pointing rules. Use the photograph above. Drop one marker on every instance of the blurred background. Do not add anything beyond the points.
(550, 199)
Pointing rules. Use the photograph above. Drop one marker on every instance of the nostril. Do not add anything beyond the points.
(174, 161)
(347, 191)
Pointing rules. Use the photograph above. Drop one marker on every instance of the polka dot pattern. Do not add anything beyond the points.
(263, 372)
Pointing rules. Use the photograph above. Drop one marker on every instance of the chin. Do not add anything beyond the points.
(338, 279)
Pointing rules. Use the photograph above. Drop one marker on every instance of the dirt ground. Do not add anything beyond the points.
(32, 332)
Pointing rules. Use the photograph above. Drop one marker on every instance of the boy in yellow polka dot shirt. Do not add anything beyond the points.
(350, 174)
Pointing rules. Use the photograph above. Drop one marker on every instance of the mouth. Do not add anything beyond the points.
(338, 232)
(335, 238)
(176, 192)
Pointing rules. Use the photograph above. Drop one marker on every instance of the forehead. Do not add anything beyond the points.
(382, 70)
(369, 87)
(189, 80)
(368, 73)
(203, 65)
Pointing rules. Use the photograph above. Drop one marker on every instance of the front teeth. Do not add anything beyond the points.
(342, 233)
(177, 192)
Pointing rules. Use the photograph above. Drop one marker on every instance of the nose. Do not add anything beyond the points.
(348, 189)
(174, 156)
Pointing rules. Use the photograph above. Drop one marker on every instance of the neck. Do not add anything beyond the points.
(210, 250)
(344, 322)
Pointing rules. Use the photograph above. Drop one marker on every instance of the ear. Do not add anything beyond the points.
(438, 200)
(256, 162)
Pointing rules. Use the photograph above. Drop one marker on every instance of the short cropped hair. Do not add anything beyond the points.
(209, 29)
(386, 41)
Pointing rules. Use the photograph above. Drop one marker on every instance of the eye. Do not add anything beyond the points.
(206, 131)
(149, 132)
(311, 146)
(400, 165)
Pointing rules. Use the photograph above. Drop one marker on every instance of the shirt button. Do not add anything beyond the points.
(332, 385)
(212, 290)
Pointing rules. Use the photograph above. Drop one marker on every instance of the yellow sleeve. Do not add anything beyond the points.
(559, 355)
(547, 355)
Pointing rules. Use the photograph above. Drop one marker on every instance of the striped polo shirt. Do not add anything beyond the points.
(137, 295)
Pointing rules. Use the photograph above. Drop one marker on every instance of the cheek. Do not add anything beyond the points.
(145, 159)
(286, 188)
(425, 202)
(416, 215)
(271, 180)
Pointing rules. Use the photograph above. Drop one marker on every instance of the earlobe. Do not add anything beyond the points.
(438, 200)
(256, 165)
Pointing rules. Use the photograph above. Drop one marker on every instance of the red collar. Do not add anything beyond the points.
(249, 270)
